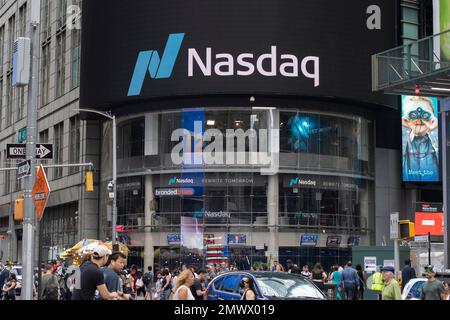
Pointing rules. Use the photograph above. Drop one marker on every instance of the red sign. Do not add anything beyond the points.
(40, 192)
(429, 222)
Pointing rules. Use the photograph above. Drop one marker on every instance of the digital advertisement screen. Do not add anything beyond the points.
(420, 139)
(237, 238)
(137, 50)
(353, 241)
(333, 241)
(308, 240)
(429, 218)
(444, 23)
(174, 238)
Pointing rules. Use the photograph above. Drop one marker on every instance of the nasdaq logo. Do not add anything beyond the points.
(199, 213)
(302, 182)
(175, 180)
(172, 181)
(293, 182)
(158, 68)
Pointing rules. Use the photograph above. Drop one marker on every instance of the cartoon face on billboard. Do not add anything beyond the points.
(420, 139)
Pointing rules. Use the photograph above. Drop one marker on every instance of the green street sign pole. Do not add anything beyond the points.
(22, 135)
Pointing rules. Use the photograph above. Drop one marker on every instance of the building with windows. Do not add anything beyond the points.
(250, 140)
(71, 213)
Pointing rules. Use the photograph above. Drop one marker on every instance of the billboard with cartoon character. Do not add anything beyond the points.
(420, 143)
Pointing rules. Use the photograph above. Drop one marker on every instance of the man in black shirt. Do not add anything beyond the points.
(408, 273)
(292, 268)
(199, 287)
(89, 277)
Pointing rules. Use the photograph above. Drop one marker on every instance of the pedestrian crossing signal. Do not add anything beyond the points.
(89, 181)
(19, 209)
(406, 229)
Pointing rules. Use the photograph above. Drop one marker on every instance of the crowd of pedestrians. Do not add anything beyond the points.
(103, 276)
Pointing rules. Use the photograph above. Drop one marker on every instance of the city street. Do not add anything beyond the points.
(227, 151)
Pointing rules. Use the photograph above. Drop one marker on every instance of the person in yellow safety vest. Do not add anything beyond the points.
(377, 282)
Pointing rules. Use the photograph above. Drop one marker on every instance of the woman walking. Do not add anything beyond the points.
(336, 278)
(182, 287)
(318, 276)
(362, 281)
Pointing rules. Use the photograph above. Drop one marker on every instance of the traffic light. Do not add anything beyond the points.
(89, 181)
(406, 229)
(19, 209)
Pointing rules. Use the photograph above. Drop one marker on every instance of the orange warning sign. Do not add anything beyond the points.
(41, 191)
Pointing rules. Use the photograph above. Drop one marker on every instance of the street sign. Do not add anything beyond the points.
(22, 135)
(421, 238)
(24, 169)
(44, 151)
(370, 264)
(15, 151)
(18, 151)
(41, 191)
(394, 225)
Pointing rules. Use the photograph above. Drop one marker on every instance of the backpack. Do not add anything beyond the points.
(147, 278)
(51, 291)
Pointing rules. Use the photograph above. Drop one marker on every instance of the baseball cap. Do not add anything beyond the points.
(101, 251)
(430, 268)
(388, 268)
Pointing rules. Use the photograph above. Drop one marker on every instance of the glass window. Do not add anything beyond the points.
(131, 137)
(75, 58)
(231, 284)
(218, 283)
(130, 201)
(45, 73)
(1, 99)
(22, 20)
(287, 286)
(59, 229)
(60, 63)
(74, 143)
(61, 12)
(325, 142)
(9, 101)
(46, 26)
(416, 290)
(58, 138)
(2, 43)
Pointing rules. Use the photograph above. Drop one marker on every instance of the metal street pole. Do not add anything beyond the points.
(445, 107)
(114, 168)
(29, 222)
(114, 174)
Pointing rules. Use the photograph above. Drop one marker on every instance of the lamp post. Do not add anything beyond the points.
(114, 167)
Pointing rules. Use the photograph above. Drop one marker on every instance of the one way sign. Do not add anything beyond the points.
(44, 151)
(17, 151)
(24, 169)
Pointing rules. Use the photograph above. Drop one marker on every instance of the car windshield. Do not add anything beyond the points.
(19, 271)
(287, 286)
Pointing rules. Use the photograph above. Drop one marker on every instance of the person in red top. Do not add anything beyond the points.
(133, 279)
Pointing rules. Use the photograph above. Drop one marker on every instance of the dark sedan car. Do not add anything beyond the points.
(267, 286)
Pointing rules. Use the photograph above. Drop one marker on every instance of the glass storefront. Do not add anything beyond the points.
(197, 191)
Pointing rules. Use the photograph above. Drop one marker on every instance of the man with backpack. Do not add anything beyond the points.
(49, 284)
(148, 282)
